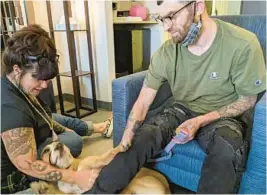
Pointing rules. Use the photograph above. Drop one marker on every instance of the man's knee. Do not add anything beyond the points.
(73, 141)
(230, 148)
(221, 136)
(228, 137)
(170, 117)
(151, 136)
(146, 135)
(228, 145)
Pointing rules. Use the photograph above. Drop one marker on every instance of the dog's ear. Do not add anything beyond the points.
(40, 187)
(45, 151)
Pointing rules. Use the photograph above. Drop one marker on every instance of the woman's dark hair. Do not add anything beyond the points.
(31, 48)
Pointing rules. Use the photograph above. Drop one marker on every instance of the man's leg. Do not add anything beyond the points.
(226, 156)
(148, 142)
(121, 170)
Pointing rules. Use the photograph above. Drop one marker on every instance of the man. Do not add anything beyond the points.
(216, 71)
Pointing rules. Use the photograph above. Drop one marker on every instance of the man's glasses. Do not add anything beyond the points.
(169, 19)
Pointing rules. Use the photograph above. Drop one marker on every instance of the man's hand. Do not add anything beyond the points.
(85, 179)
(189, 127)
(126, 141)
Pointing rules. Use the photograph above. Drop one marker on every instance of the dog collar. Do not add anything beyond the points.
(75, 164)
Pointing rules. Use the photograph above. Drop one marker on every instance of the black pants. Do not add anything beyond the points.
(222, 140)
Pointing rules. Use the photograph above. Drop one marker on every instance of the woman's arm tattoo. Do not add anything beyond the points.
(21, 148)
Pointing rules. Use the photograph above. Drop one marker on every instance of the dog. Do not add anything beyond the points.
(146, 181)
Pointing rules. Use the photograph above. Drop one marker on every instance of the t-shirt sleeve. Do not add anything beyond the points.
(12, 117)
(156, 74)
(249, 74)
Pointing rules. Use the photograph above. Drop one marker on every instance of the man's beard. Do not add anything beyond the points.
(182, 33)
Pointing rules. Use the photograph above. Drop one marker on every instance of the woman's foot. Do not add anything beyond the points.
(105, 128)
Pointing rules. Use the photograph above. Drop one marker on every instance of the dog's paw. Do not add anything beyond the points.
(40, 187)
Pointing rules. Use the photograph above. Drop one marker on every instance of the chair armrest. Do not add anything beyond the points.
(254, 178)
(125, 91)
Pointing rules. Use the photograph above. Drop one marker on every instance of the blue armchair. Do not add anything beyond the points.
(184, 168)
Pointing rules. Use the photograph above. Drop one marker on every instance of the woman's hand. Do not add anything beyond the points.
(68, 130)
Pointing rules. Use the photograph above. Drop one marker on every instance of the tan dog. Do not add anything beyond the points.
(148, 181)
(57, 154)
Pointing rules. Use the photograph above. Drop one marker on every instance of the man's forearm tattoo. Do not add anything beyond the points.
(133, 124)
(238, 107)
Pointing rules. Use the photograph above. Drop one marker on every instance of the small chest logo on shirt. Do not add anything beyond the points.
(258, 83)
(214, 76)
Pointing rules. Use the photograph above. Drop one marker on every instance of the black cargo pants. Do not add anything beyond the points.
(222, 141)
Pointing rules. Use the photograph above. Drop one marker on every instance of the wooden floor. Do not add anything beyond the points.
(96, 144)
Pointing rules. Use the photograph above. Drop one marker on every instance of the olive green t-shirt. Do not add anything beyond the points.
(233, 66)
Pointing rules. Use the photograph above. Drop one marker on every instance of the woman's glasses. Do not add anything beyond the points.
(47, 66)
(43, 60)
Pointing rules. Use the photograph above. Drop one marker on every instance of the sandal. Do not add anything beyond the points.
(108, 132)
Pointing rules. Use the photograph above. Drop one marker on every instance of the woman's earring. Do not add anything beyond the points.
(17, 79)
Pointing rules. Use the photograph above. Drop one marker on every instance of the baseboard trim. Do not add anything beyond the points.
(88, 101)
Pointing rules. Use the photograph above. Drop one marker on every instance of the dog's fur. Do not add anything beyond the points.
(148, 181)
(57, 154)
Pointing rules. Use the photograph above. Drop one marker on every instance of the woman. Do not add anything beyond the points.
(30, 62)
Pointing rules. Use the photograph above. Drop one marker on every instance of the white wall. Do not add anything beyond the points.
(102, 40)
(103, 48)
(158, 35)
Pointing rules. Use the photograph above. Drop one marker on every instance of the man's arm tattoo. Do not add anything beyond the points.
(21, 148)
(133, 124)
(238, 107)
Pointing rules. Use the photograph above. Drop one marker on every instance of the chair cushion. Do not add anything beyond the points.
(184, 167)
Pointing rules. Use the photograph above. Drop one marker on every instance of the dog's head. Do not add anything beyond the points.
(57, 154)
